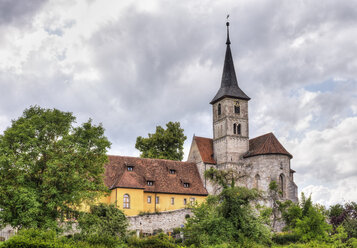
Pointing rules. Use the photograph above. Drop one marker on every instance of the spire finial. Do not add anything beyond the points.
(228, 42)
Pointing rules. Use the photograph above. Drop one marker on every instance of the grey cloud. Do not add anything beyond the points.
(18, 12)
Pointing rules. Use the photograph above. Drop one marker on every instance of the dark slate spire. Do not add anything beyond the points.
(229, 83)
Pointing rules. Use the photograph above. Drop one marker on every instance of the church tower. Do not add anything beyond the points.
(230, 116)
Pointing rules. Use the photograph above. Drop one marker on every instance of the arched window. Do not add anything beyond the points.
(126, 201)
(235, 128)
(239, 129)
(282, 184)
(256, 181)
(219, 109)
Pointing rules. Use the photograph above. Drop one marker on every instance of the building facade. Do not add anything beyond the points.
(143, 185)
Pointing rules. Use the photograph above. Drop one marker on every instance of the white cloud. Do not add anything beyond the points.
(134, 65)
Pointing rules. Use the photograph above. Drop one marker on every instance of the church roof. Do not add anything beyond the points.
(264, 145)
(229, 84)
(117, 175)
(205, 147)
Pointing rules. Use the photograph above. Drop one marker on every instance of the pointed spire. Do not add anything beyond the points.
(229, 83)
(228, 42)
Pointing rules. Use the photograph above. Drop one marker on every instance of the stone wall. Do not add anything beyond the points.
(6, 233)
(166, 221)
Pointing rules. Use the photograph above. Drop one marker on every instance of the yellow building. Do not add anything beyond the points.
(141, 185)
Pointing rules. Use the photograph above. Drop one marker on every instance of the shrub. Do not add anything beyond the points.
(285, 238)
(34, 238)
(158, 241)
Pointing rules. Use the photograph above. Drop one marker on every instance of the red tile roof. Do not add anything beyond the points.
(205, 146)
(262, 145)
(156, 170)
(266, 144)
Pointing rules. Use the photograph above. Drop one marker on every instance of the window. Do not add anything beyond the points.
(150, 183)
(235, 128)
(184, 201)
(192, 200)
(282, 184)
(186, 185)
(237, 109)
(126, 202)
(239, 129)
(172, 171)
(130, 168)
(157, 200)
(172, 201)
(149, 199)
(219, 109)
(256, 181)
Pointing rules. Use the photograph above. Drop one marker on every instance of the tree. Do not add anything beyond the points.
(103, 219)
(164, 144)
(227, 218)
(48, 168)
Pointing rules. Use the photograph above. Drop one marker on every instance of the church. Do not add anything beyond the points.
(259, 160)
(141, 185)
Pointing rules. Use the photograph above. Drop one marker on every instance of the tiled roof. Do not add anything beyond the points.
(262, 145)
(156, 170)
(205, 147)
(266, 144)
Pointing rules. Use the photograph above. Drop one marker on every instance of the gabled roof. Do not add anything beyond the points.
(157, 170)
(229, 83)
(264, 145)
(205, 147)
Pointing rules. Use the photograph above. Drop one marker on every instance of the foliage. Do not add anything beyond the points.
(274, 195)
(306, 220)
(103, 220)
(158, 241)
(227, 217)
(48, 168)
(164, 144)
(35, 238)
(285, 238)
(223, 178)
(344, 215)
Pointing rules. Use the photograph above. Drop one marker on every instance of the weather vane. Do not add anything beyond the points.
(227, 17)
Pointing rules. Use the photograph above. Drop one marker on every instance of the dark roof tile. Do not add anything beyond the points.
(117, 175)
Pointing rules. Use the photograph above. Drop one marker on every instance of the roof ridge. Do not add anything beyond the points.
(262, 135)
(161, 159)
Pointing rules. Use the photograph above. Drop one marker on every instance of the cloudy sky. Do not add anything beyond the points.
(133, 65)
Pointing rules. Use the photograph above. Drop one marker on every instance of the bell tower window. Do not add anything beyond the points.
(235, 128)
(239, 129)
(219, 109)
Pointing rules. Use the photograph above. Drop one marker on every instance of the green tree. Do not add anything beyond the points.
(227, 218)
(274, 195)
(103, 219)
(164, 143)
(49, 167)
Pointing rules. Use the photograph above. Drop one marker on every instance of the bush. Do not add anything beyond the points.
(34, 238)
(285, 238)
(158, 241)
(103, 220)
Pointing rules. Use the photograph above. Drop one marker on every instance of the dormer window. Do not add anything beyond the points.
(150, 183)
(186, 185)
(172, 171)
(130, 168)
